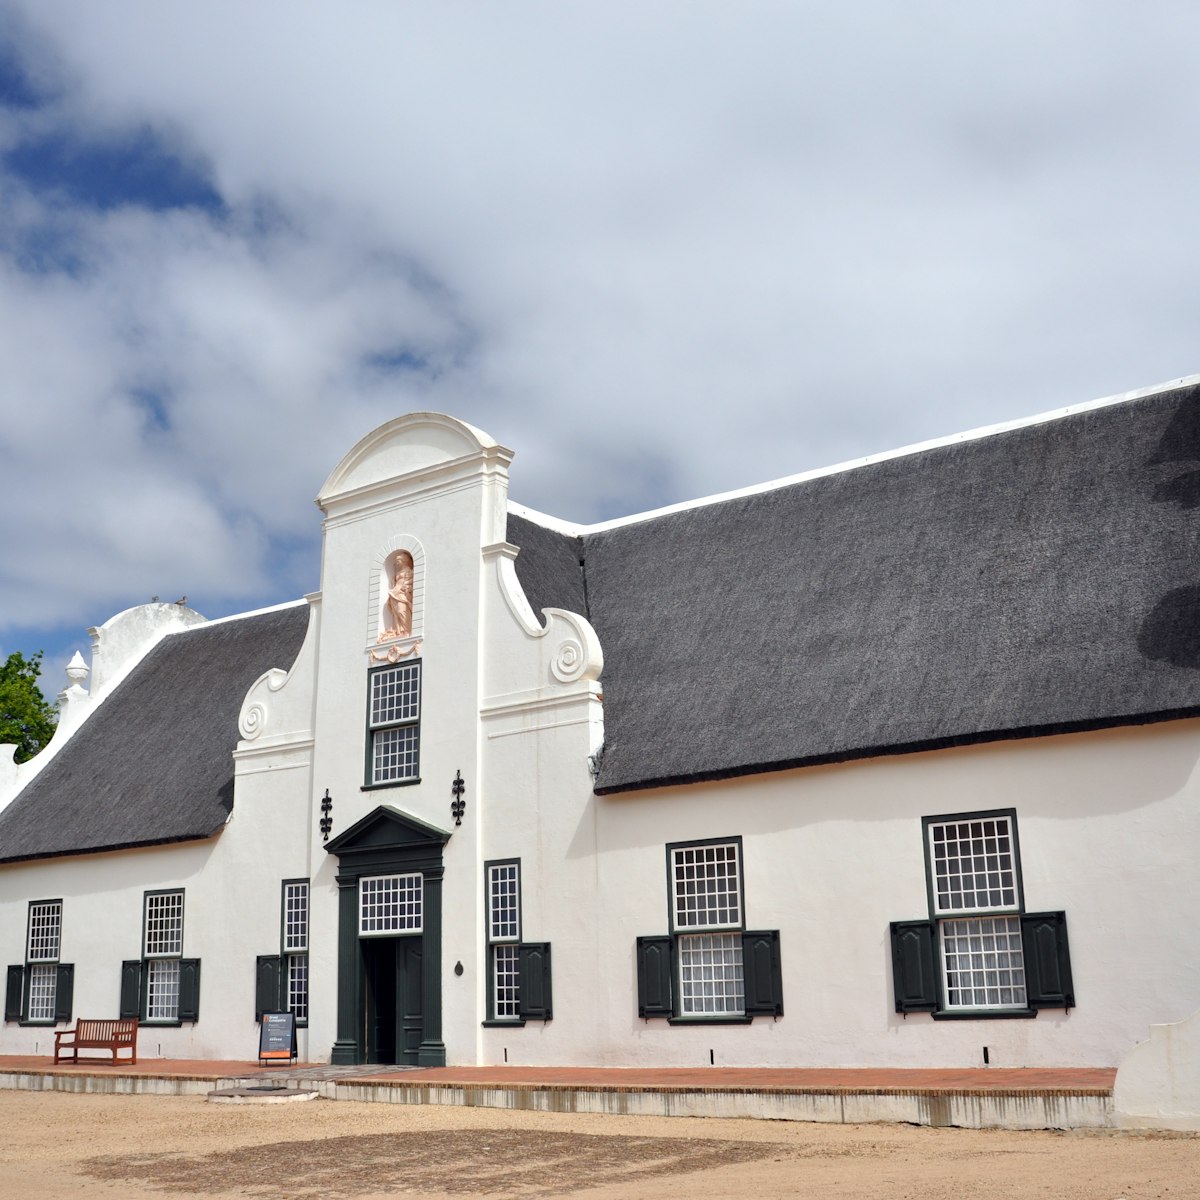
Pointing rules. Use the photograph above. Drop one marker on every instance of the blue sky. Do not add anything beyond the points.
(659, 250)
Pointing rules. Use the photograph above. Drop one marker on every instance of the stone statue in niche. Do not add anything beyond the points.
(397, 612)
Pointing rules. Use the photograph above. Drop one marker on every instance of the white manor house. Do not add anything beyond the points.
(894, 764)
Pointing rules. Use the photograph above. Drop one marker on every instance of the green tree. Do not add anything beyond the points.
(25, 717)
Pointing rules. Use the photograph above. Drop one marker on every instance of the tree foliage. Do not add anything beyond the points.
(26, 719)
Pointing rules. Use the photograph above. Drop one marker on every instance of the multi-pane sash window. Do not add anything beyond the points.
(711, 980)
(162, 947)
(297, 987)
(706, 894)
(973, 863)
(394, 724)
(983, 963)
(162, 989)
(710, 967)
(295, 916)
(281, 979)
(706, 886)
(45, 931)
(504, 935)
(164, 924)
(518, 972)
(973, 869)
(979, 953)
(162, 985)
(390, 904)
(295, 946)
(40, 989)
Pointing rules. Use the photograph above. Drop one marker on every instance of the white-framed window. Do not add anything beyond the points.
(390, 904)
(164, 925)
(504, 936)
(983, 963)
(162, 989)
(973, 864)
(706, 895)
(41, 957)
(295, 947)
(297, 987)
(394, 724)
(975, 896)
(162, 948)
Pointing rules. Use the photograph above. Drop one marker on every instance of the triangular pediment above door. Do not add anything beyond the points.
(387, 828)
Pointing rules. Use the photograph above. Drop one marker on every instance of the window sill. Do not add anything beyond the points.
(147, 1023)
(984, 1014)
(506, 1023)
(391, 783)
(24, 1024)
(713, 1020)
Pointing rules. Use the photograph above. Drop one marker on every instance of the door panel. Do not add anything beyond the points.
(410, 1017)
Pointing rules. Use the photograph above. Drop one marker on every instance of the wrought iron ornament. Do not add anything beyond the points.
(326, 819)
(458, 805)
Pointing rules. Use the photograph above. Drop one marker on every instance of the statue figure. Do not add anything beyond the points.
(397, 620)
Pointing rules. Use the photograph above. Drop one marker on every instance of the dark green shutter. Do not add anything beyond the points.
(12, 993)
(914, 974)
(654, 975)
(64, 991)
(763, 971)
(268, 975)
(131, 989)
(189, 989)
(1047, 960)
(534, 1001)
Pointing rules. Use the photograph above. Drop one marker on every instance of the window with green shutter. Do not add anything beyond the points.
(281, 980)
(518, 973)
(979, 954)
(709, 967)
(40, 991)
(167, 984)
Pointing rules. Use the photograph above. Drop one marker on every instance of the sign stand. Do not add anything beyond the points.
(277, 1038)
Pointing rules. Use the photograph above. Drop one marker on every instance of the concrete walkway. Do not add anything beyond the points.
(1014, 1098)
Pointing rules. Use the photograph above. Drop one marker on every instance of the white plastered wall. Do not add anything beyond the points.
(832, 855)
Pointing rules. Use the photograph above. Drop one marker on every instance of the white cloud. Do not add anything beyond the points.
(661, 250)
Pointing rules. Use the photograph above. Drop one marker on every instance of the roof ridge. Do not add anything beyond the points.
(559, 525)
(241, 616)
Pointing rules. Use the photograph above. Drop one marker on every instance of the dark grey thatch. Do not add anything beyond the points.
(549, 567)
(152, 764)
(1036, 581)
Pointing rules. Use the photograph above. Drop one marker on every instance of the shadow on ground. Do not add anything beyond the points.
(516, 1162)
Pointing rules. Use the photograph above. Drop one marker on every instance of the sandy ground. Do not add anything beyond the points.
(60, 1145)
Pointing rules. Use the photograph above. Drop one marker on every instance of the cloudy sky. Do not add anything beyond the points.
(659, 249)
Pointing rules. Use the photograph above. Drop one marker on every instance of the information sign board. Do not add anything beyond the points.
(277, 1037)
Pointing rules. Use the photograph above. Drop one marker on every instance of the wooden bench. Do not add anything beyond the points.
(97, 1035)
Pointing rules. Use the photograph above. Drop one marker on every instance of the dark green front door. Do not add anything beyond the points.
(393, 1015)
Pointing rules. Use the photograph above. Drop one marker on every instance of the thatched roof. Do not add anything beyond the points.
(153, 763)
(1034, 581)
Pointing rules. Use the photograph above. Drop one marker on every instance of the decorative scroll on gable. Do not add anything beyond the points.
(396, 600)
(570, 649)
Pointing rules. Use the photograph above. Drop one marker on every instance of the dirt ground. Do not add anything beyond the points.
(59, 1145)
